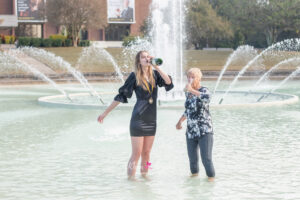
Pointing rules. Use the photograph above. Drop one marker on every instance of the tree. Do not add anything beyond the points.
(76, 15)
(277, 16)
(270, 17)
(203, 24)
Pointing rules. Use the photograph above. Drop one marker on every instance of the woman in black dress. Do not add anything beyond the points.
(143, 82)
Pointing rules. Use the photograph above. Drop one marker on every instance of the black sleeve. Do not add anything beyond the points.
(127, 89)
(161, 82)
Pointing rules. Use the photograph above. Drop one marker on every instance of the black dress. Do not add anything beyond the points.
(143, 119)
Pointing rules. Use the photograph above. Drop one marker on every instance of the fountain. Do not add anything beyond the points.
(286, 45)
(174, 99)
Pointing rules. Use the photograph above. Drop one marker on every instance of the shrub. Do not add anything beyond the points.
(129, 40)
(47, 42)
(36, 42)
(12, 39)
(2, 38)
(84, 43)
(9, 39)
(24, 41)
(62, 37)
(68, 42)
(57, 42)
(54, 37)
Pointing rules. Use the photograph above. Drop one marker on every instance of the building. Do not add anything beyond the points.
(22, 18)
(8, 17)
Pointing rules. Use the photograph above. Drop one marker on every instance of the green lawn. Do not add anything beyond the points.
(206, 60)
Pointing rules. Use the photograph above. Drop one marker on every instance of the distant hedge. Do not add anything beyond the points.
(129, 40)
(52, 41)
(57, 42)
(24, 41)
(68, 42)
(84, 43)
(36, 42)
(47, 42)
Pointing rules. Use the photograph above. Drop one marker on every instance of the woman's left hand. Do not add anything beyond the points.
(155, 66)
(178, 126)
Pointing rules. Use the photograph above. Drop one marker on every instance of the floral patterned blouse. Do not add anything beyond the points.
(197, 113)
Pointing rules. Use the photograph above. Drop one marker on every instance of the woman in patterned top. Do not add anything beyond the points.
(199, 131)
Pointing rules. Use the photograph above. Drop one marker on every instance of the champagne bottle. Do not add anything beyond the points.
(156, 61)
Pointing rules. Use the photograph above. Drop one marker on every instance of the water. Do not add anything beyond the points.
(58, 153)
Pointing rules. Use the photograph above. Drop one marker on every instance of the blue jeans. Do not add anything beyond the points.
(205, 143)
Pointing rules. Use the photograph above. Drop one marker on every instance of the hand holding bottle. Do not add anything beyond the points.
(155, 61)
(188, 87)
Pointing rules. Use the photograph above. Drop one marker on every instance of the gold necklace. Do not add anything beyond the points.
(150, 92)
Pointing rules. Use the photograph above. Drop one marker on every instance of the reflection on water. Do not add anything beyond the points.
(57, 153)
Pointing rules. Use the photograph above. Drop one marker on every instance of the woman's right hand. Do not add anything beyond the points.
(110, 108)
(101, 117)
(178, 126)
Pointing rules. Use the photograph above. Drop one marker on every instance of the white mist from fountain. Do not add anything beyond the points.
(292, 75)
(97, 52)
(265, 75)
(167, 35)
(11, 59)
(164, 40)
(241, 51)
(276, 87)
(139, 44)
(48, 57)
(286, 45)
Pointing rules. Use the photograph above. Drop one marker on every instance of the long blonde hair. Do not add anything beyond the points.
(196, 84)
(140, 79)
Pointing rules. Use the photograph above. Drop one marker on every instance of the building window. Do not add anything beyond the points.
(84, 35)
(116, 32)
(29, 30)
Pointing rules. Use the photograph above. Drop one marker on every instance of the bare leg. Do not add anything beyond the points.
(137, 146)
(147, 146)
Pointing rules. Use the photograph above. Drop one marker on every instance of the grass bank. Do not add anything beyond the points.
(205, 60)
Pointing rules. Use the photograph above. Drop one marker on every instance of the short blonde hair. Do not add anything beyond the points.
(198, 75)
